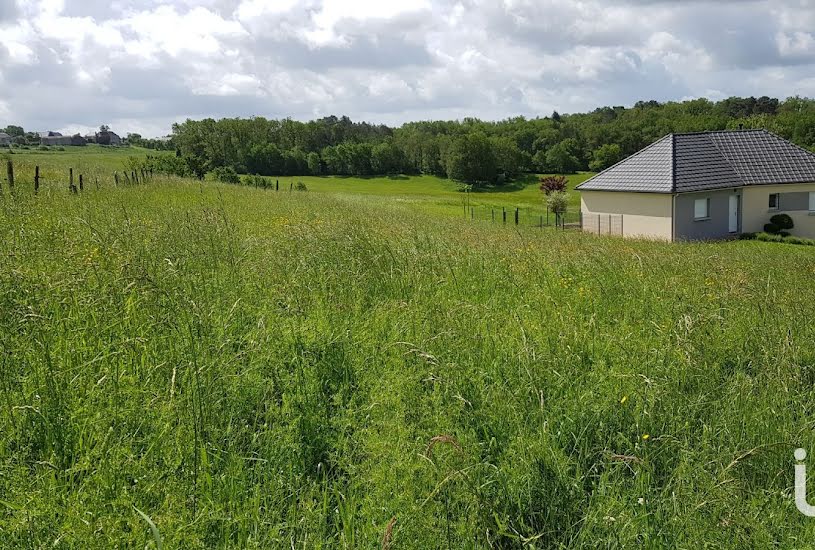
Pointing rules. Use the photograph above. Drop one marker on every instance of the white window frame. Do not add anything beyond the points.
(777, 202)
(696, 205)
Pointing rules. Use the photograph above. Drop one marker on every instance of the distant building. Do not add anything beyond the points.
(56, 140)
(108, 138)
(48, 134)
(5, 139)
(90, 138)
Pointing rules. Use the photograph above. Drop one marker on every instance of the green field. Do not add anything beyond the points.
(348, 365)
(429, 193)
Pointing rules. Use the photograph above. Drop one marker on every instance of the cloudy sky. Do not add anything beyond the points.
(140, 65)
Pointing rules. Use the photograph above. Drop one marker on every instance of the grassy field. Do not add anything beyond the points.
(430, 194)
(255, 369)
(437, 195)
(90, 158)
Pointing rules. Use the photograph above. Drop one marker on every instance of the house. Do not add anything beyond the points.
(107, 137)
(90, 138)
(706, 185)
(48, 134)
(5, 139)
(56, 140)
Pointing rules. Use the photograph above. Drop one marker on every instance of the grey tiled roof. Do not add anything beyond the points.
(681, 163)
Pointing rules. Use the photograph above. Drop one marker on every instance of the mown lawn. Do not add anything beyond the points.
(442, 196)
(259, 369)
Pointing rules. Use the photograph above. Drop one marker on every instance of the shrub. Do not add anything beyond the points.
(43, 148)
(553, 184)
(301, 186)
(771, 228)
(60, 148)
(226, 174)
(557, 202)
(256, 181)
(783, 221)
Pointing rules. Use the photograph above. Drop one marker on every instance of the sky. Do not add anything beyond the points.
(141, 65)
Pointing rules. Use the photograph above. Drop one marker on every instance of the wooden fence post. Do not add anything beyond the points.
(36, 179)
(116, 178)
(493, 214)
(71, 185)
(81, 183)
(504, 212)
(10, 168)
(516, 216)
(277, 185)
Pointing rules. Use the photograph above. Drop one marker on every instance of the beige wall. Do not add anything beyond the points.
(647, 215)
(756, 211)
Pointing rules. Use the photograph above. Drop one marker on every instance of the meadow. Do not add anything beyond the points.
(197, 365)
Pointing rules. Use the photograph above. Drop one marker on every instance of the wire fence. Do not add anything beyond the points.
(529, 217)
(602, 224)
(22, 175)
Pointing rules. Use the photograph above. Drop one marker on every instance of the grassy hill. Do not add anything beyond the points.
(331, 369)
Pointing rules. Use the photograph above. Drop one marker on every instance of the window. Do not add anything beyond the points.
(812, 201)
(701, 209)
(775, 201)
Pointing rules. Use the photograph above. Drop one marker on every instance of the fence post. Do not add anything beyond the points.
(277, 185)
(71, 185)
(472, 213)
(504, 213)
(36, 179)
(116, 178)
(81, 183)
(10, 168)
(493, 214)
(516, 216)
(291, 186)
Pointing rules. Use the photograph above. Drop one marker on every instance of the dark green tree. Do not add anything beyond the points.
(607, 155)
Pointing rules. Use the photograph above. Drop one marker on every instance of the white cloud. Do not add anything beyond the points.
(144, 64)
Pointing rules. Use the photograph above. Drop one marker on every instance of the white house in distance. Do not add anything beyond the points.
(706, 185)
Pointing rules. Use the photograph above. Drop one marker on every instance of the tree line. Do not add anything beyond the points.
(472, 150)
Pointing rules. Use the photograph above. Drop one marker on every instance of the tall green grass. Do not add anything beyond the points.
(219, 366)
